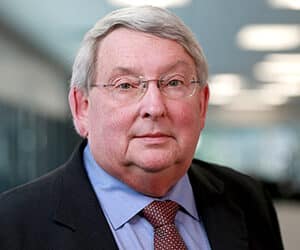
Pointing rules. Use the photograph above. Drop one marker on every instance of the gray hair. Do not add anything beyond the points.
(156, 21)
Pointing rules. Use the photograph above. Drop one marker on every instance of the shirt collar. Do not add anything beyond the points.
(120, 203)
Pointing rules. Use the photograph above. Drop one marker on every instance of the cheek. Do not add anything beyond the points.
(187, 125)
(109, 127)
(187, 117)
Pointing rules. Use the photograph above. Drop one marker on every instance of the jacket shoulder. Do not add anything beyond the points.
(246, 194)
(229, 179)
(237, 188)
(25, 199)
(39, 192)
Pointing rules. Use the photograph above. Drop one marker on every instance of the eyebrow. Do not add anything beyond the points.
(178, 64)
(120, 70)
(123, 70)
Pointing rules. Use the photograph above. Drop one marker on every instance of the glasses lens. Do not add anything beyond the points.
(126, 89)
(177, 86)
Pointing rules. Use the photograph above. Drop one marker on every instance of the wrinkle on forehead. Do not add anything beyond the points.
(127, 53)
(179, 65)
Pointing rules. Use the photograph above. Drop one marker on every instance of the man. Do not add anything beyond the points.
(139, 97)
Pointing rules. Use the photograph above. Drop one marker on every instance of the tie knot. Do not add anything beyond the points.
(160, 213)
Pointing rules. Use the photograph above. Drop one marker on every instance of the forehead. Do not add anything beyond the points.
(143, 52)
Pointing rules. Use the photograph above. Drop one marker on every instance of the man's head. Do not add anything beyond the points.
(149, 19)
(143, 132)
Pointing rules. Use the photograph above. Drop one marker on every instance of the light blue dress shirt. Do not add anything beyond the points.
(121, 206)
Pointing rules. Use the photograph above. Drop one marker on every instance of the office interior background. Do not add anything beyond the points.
(253, 124)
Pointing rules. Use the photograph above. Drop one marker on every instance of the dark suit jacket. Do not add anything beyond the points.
(61, 212)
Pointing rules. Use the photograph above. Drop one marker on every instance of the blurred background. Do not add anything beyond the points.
(253, 51)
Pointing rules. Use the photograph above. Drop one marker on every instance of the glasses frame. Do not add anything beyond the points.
(143, 87)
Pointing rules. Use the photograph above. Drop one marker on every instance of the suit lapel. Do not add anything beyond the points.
(225, 226)
(223, 220)
(78, 208)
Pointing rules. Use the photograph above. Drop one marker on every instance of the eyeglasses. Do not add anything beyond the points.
(130, 88)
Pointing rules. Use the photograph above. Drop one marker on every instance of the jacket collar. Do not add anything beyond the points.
(78, 208)
(223, 220)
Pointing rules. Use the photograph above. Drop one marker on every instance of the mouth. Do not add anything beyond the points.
(154, 138)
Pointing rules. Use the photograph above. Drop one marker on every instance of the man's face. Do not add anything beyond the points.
(147, 143)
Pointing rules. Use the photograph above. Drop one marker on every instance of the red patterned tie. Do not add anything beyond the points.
(161, 215)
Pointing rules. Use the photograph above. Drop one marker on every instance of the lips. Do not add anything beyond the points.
(155, 138)
(152, 135)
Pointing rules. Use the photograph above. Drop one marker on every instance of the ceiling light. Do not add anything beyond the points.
(292, 89)
(272, 95)
(219, 100)
(269, 37)
(256, 100)
(283, 68)
(272, 71)
(285, 90)
(242, 106)
(159, 3)
(283, 57)
(224, 86)
(248, 100)
(286, 4)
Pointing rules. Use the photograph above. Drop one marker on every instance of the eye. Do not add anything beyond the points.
(125, 84)
(175, 83)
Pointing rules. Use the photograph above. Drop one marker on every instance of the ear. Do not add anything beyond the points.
(203, 101)
(79, 103)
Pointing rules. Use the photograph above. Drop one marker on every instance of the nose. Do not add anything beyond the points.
(153, 102)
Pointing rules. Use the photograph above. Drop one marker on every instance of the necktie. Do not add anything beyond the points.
(161, 215)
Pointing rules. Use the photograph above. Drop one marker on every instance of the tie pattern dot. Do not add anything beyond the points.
(161, 215)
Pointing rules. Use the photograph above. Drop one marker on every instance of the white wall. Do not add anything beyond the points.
(289, 220)
(29, 81)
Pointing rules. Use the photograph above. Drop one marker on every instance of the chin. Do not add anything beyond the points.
(155, 163)
(156, 158)
(154, 177)
(155, 183)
